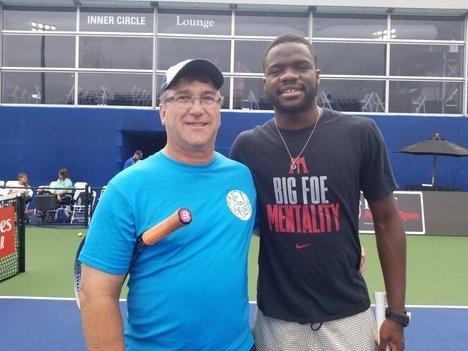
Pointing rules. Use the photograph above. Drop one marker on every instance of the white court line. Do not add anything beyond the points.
(435, 306)
(36, 298)
(42, 298)
(252, 302)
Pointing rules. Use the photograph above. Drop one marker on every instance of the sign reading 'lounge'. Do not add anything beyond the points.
(216, 23)
(192, 22)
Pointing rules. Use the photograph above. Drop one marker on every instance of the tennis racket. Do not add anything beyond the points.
(178, 219)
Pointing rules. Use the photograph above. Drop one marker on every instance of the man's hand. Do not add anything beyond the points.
(391, 335)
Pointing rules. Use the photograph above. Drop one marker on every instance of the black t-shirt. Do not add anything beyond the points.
(309, 244)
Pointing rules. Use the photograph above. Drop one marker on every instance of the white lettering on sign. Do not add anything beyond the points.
(191, 22)
(131, 21)
(2, 242)
(5, 226)
(100, 19)
(119, 20)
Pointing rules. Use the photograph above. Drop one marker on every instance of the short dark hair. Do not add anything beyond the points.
(138, 152)
(290, 38)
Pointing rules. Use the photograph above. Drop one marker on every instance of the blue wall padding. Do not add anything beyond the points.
(89, 142)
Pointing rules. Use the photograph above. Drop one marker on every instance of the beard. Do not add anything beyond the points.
(308, 102)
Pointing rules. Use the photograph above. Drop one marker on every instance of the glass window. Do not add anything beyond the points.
(271, 24)
(426, 60)
(248, 56)
(131, 53)
(352, 95)
(338, 58)
(116, 20)
(249, 94)
(38, 51)
(114, 89)
(171, 51)
(432, 28)
(22, 18)
(347, 26)
(195, 22)
(426, 97)
(37, 88)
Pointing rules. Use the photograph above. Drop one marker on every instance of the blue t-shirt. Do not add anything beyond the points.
(65, 183)
(188, 291)
(129, 162)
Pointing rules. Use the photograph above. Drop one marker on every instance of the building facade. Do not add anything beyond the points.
(373, 60)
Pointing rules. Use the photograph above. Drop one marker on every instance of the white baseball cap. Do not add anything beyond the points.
(193, 66)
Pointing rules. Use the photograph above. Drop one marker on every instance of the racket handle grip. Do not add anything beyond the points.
(178, 219)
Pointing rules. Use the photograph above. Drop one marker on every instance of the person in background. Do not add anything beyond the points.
(189, 290)
(64, 187)
(22, 182)
(309, 165)
(137, 156)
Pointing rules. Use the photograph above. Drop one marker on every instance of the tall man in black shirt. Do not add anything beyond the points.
(309, 165)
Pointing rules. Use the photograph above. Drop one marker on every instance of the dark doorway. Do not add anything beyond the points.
(147, 142)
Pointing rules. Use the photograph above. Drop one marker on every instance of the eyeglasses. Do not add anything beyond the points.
(188, 100)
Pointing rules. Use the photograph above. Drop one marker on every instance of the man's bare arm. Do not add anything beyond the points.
(391, 245)
(101, 318)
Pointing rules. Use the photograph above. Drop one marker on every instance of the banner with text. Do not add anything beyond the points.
(410, 205)
(7, 231)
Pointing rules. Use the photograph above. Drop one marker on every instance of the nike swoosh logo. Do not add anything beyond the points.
(301, 246)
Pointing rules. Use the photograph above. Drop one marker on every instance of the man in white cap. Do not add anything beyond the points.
(189, 290)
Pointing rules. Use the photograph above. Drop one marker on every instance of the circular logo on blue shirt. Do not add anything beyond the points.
(239, 204)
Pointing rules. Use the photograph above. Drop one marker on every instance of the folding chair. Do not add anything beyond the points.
(8, 185)
(4, 191)
(17, 191)
(52, 185)
(79, 201)
(80, 187)
(79, 207)
(11, 184)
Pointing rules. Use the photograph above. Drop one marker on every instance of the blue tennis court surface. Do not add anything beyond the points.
(29, 324)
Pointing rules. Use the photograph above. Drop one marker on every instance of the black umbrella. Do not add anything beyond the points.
(435, 146)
